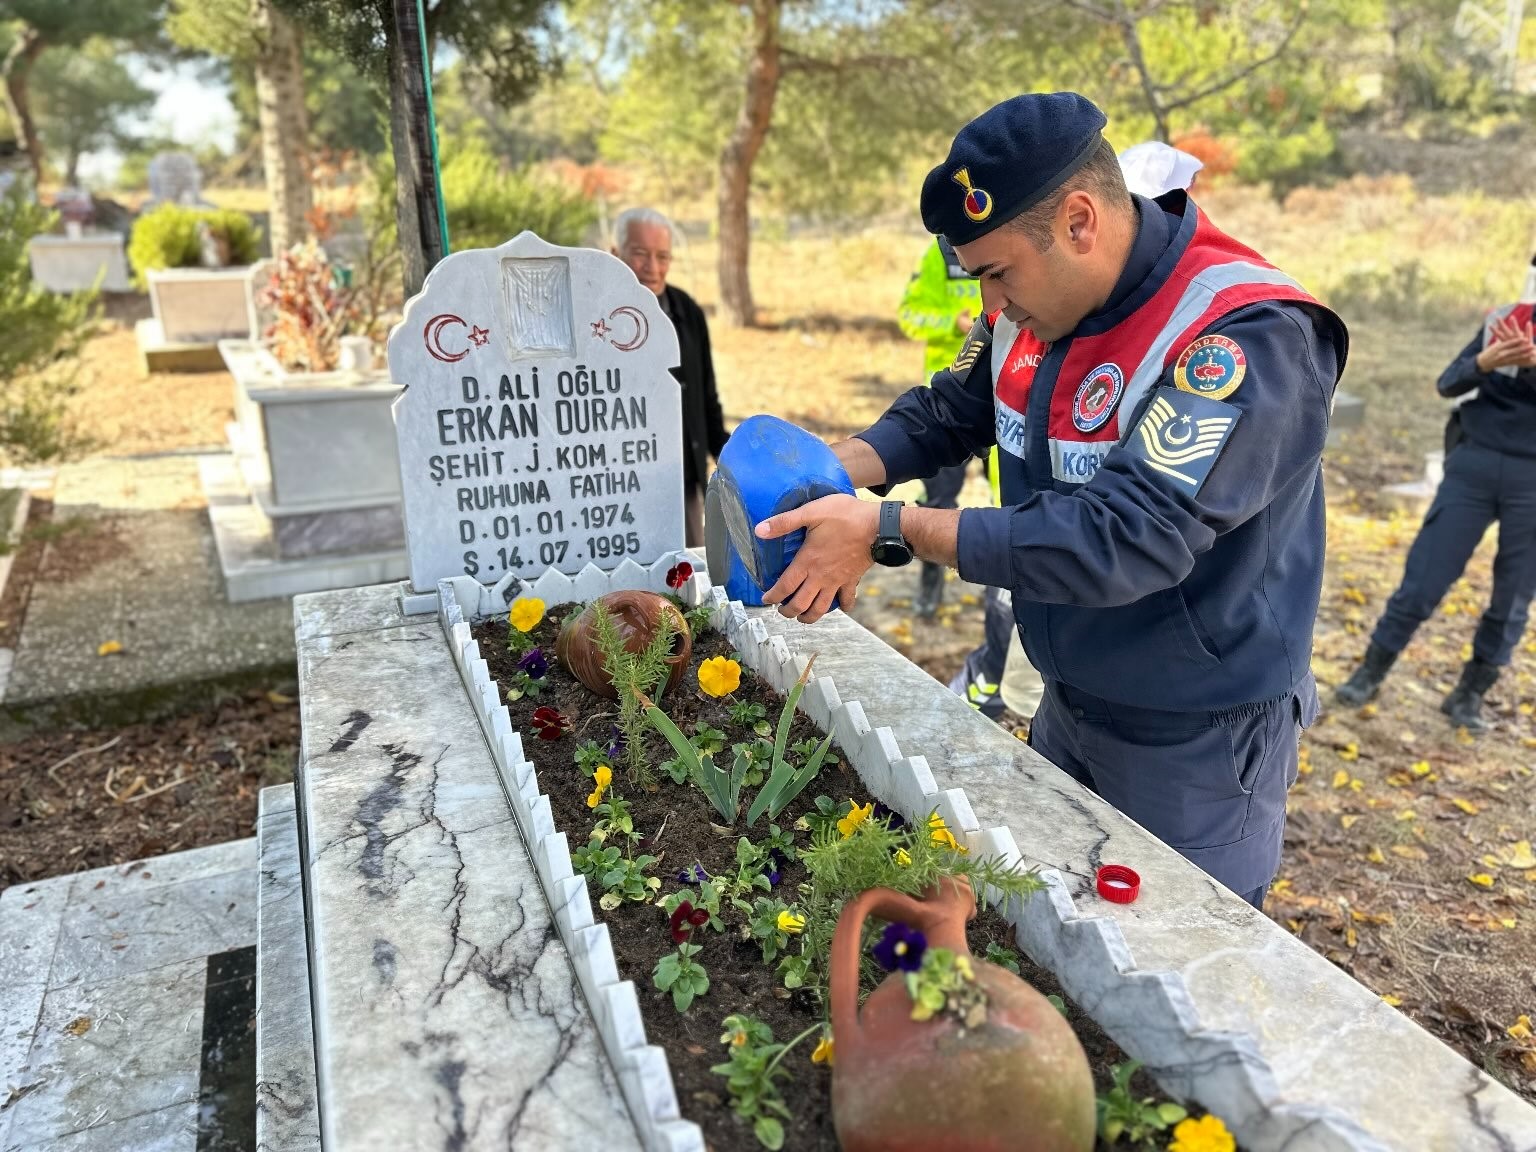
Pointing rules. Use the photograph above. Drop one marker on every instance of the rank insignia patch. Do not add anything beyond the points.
(1211, 366)
(1182, 434)
(1096, 397)
(978, 339)
(978, 201)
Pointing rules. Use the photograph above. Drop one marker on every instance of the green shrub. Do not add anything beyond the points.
(43, 331)
(166, 237)
(1289, 161)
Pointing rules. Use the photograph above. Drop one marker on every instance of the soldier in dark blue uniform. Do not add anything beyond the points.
(1160, 395)
(1490, 474)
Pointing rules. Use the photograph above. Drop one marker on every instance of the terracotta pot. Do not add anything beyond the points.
(635, 614)
(1018, 1083)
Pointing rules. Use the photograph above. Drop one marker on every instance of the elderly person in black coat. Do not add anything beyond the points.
(642, 238)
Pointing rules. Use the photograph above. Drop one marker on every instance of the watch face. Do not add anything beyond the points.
(891, 553)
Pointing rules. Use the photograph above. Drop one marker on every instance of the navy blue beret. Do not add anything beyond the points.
(1007, 160)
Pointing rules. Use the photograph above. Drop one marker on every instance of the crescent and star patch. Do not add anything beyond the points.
(1182, 434)
(1212, 366)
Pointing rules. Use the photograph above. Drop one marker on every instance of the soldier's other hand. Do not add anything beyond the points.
(1510, 352)
(832, 558)
(964, 321)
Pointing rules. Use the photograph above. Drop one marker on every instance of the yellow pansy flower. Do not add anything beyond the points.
(601, 779)
(790, 923)
(526, 614)
(823, 1053)
(719, 676)
(939, 833)
(856, 816)
(1207, 1134)
(903, 857)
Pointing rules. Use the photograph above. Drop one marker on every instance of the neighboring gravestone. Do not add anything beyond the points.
(174, 178)
(540, 426)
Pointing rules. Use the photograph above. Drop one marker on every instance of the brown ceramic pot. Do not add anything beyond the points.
(636, 615)
(1018, 1083)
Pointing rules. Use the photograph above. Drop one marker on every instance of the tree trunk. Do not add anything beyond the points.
(1132, 38)
(72, 167)
(413, 260)
(18, 68)
(284, 123)
(733, 204)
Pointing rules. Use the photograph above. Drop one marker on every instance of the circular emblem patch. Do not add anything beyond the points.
(1212, 366)
(978, 201)
(1096, 397)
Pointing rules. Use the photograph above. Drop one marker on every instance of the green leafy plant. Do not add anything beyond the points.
(621, 878)
(709, 741)
(754, 1063)
(698, 620)
(721, 787)
(634, 675)
(750, 714)
(794, 971)
(1002, 957)
(167, 237)
(1122, 1114)
(615, 820)
(679, 973)
(823, 817)
(749, 876)
(707, 897)
(589, 756)
(43, 333)
(785, 780)
(946, 983)
(772, 924)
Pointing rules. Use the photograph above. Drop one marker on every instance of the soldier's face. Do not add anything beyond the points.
(1047, 292)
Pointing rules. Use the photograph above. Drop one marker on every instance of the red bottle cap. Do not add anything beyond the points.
(1118, 884)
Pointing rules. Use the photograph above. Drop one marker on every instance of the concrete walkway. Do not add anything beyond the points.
(131, 560)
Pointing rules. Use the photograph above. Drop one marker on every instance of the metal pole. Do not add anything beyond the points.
(425, 177)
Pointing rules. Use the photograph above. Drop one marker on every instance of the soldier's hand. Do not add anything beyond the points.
(834, 555)
(964, 321)
(1508, 352)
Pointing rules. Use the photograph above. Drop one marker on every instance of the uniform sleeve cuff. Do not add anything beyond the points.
(901, 456)
(983, 551)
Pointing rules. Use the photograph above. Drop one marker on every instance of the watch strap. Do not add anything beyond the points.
(890, 521)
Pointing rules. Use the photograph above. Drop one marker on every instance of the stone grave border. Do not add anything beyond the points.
(1149, 1014)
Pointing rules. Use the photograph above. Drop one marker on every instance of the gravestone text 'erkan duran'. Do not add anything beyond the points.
(539, 427)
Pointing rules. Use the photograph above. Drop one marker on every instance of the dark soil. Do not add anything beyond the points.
(681, 828)
(69, 821)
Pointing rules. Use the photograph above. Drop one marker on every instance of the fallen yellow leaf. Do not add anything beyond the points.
(1481, 879)
(1351, 937)
(1350, 751)
(110, 648)
(1420, 768)
(1368, 711)
(1521, 1028)
(1375, 856)
(1407, 814)
(1348, 821)
(1356, 785)
(1509, 923)
(1399, 780)
(1340, 778)
(1465, 805)
(1518, 855)
(1409, 852)
(1391, 1001)
(279, 698)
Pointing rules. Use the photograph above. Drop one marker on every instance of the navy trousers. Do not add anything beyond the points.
(1210, 785)
(1480, 486)
(942, 489)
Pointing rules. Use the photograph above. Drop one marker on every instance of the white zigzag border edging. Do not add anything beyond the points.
(1234, 1079)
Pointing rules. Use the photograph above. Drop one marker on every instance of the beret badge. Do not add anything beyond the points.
(978, 201)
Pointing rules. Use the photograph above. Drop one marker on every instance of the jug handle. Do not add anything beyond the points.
(951, 902)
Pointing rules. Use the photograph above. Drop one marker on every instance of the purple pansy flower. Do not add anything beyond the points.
(776, 862)
(900, 948)
(535, 665)
(892, 818)
(693, 874)
(616, 743)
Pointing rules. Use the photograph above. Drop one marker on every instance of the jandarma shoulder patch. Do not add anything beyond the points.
(1182, 434)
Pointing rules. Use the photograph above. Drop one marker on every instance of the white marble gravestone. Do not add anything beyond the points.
(539, 427)
(175, 178)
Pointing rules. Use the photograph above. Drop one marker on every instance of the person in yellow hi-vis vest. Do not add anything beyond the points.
(940, 304)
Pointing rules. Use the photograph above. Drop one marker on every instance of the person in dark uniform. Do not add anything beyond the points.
(1160, 395)
(642, 238)
(1490, 474)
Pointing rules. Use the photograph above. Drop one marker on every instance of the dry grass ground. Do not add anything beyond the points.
(1406, 862)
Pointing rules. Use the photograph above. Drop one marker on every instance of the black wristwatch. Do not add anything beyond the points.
(890, 547)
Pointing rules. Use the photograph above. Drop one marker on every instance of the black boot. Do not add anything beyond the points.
(930, 590)
(1363, 685)
(1465, 703)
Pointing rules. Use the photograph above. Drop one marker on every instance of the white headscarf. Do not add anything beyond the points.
(1154, 168)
